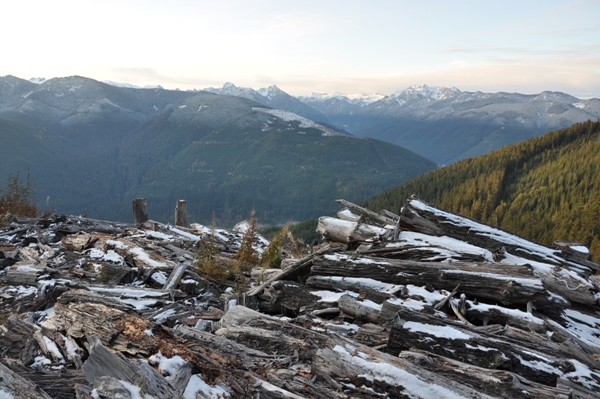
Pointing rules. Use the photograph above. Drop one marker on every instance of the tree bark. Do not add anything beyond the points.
(509, 285)
(346, 232)
(351, 306)
(181, 213)
(541, 361)
(140, 211)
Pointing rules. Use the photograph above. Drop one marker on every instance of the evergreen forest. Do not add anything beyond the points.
(545, 189)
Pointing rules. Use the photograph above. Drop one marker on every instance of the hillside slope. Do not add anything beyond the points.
(445, 124)
(92, 148)
(545, 188)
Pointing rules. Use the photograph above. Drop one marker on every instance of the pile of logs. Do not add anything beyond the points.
(425, 304)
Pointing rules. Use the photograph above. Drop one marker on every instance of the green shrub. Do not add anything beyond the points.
(273, 255)
(246, 255)
(17, 198)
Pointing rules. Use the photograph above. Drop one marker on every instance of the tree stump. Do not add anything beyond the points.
(181, 213)
(140, 211)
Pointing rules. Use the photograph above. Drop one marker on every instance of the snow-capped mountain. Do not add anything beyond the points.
(130, 86)
(271, 96)
(446, 124)
(37, 80)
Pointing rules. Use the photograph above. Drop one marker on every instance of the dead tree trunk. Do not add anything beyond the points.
(346, 232)
(14, 386)
(181, 213)
(509, 285)
(353, 307)
(541, 361)
(140, 211)
(421, 217)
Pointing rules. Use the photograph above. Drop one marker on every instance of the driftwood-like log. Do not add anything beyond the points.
(385, 374)
(346, 232)
(286, 297)
(540, 361)
(79, 313)
(18, 387)
(297, 272)
(485, 380)
(103, 362)
(57, 384)
(491, 314)
(347, 284)
(140, 211)
(509, 285)
(272, 335)
(175, 277)
(353, 307)
(334, 358)
(424, 218)
(384, 219)
(346, 214)
(25, 274)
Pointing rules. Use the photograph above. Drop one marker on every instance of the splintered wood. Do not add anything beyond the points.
(425, 304)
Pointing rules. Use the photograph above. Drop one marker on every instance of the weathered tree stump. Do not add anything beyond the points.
(181, 213)
(140, 211)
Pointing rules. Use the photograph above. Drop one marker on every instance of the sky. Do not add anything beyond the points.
(305, 46)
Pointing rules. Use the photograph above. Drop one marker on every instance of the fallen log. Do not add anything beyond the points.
(385, 375)
(56, 383)
(358, 310)
(79, 313)
(370, 289)
(492, 382)
(26, 273)
(418, 216)
(297, 272)
(386, 219)
(483, 314)
(508, 285)
(336, 358)
(541, 361)
(273, 336)
(12, 385)
(102, 362)
(346, 232)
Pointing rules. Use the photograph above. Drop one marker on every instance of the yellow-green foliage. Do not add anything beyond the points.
(246, 255)
(16, 198)
(545, 188)
(293, 245)
(211, 266)
(273, 255)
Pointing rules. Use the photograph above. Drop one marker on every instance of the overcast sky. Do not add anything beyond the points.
(309, 46)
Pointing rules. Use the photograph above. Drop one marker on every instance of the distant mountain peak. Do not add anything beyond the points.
(270, 91)
(428, 93)
(132, 86)
(355, 98)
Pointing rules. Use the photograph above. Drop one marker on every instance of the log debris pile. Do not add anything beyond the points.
(425, 304)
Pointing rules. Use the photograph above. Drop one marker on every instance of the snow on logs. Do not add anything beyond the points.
(396, 313)
(346, 232)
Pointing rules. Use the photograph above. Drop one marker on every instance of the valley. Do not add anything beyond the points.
(92, 147)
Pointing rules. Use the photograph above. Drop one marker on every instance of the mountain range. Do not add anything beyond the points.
(443, 124)
(92, 147)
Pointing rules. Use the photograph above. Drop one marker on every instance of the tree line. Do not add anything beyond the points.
(545, 188)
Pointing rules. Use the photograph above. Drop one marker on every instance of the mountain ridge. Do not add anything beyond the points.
(545, 188)
(92, 147)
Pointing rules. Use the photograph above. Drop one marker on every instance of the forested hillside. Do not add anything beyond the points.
(545, 188)
(91, 148)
